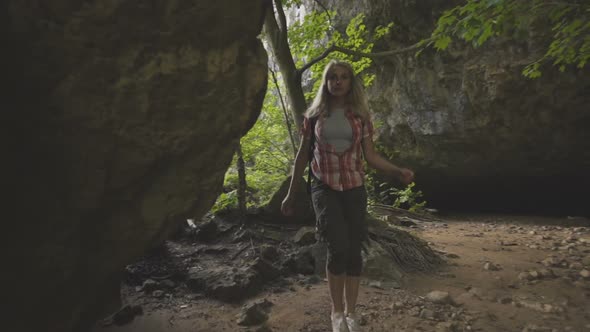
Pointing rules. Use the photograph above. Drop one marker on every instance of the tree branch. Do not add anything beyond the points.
(282, 18)
(305, 67)
(340, 49)
(326, 11)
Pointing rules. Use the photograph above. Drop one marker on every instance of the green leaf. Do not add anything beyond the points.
(442, 43)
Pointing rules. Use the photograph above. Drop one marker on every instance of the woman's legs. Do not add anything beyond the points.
(351, 292)
(341, 215)
(336, 287)
(355, 207)
(328, 207)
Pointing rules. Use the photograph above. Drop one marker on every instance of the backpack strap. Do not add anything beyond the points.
(312, 122)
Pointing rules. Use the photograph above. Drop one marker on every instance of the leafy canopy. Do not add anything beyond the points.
(479, 20)
(310, 37)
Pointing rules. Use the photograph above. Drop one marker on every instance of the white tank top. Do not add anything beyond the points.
(336, 130)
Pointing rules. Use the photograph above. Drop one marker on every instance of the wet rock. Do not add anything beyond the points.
(427, 314)
(375, 284)
(535, 328)
(534, 274)
(149, 285)
(301, 261)
(269, 252)
(481, 294)
(213, 249)
(538, 306)
(124, 316)
(571, 239)
(232, 284)
(505, 299)
(266, 271)
(221, 287)
(206, 231)
(447, 327)
(414, 311)
(489, 266)
(158, 294)
(245, 235)
(254, 313)
(553, 261)
(305, 236)
(312, 279)
(546, 273)
(167, 283)
(525, 276)
(398, 305)
(439, 297)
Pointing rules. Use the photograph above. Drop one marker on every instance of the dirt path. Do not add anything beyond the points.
(505, 273)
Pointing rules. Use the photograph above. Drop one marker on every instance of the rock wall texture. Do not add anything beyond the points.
(123, 117)
(479, 134)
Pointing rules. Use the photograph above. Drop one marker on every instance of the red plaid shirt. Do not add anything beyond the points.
(340, 171)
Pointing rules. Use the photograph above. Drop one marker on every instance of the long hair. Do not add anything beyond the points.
(356, 98)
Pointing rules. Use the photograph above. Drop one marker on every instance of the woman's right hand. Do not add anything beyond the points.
(287, 206)
(406, 176)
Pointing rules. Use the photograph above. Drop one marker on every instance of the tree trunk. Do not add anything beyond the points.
(285, 111)
(275, 30)
(241, 182)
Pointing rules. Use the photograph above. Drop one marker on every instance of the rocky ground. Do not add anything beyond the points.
(502, 273)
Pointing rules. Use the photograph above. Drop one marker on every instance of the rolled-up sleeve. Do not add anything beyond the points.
(368, 128)
(304, 133)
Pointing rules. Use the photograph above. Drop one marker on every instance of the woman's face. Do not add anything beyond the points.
(339, 81)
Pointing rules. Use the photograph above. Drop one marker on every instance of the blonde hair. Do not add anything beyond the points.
(356, 98)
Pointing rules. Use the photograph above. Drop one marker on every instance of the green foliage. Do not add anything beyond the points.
(407, 198)
(226, 201)
(478, 21)
(310, 38)
(268, 156)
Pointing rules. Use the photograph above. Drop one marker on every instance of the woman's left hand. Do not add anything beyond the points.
(406, 176)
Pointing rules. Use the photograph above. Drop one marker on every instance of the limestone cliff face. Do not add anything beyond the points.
(477, 132)
(123, 117)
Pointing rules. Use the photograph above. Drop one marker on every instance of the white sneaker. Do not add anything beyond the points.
(339, 322)
(353, 321)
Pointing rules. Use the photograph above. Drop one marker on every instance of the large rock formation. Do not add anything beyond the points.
(478, 133)
(123, 117)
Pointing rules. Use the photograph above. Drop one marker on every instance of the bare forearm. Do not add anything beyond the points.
(301, 161)
(377, 162)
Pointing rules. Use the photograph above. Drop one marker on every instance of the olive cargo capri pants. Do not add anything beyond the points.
(340, 221)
